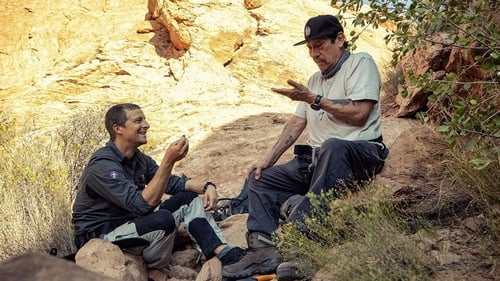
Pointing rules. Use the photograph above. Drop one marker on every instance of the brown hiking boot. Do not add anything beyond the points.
(262, 257)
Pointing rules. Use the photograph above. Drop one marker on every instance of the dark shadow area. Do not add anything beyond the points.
(390, 89)
(161, 40)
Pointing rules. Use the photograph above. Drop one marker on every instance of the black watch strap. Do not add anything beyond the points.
(207, 184)
(315, 105)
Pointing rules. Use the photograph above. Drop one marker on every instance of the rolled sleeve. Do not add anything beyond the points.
(176, 184)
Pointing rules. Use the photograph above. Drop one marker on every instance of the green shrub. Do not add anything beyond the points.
(466, 101)
(356, 241)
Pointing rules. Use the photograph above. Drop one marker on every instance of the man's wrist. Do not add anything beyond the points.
(316, 103)
(207, 184)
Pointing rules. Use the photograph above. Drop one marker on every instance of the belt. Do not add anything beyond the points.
(307, 154)
(378, 141)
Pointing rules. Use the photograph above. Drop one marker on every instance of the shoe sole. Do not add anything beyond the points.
(252, 270)
(291, 278)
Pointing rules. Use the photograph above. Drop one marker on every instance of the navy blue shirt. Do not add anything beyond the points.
(110, 189)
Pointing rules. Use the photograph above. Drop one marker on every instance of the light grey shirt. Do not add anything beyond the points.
(357, 79)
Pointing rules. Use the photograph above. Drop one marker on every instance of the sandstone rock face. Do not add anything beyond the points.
(219, 28)
(181, 60)
(252, 4)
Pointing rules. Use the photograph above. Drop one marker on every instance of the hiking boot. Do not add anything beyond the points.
(261, 257)
(287, 271)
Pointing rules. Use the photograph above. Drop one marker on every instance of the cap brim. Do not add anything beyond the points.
(300, 43)
(315, 37)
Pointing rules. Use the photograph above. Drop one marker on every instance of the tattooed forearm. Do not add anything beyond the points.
(276, 144)
(291, 132)
(288, 141)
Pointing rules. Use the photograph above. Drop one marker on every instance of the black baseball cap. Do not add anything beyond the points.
(320, 26)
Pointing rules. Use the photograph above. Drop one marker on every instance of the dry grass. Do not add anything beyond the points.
(482, 186)
(38, 175)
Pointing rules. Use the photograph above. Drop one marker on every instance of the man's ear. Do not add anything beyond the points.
(117, 129)
(340, 39)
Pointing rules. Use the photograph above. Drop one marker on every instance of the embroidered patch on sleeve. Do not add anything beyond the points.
(114, 175)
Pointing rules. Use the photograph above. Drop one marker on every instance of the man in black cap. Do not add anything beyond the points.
(341, 108)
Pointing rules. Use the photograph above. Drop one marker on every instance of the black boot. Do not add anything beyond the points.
(262, 257)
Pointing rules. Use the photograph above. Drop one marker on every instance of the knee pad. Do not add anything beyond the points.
(178, 200)
(159, 220)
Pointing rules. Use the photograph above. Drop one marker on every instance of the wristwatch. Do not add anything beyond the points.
(206, 186)
(315, 104)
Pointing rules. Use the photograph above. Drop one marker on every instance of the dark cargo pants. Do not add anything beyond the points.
(338, 165)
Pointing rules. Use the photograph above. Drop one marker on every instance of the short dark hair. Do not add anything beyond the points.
(334, 37)
(117, 114)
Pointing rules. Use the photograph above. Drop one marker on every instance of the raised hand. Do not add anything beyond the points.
(178, 149)
(299, 92)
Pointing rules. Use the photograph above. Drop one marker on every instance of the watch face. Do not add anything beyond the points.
(315, 106)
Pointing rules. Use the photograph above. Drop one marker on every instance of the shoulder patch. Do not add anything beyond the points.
(114, 175)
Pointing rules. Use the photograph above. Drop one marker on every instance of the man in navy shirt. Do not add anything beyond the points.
(121, 189)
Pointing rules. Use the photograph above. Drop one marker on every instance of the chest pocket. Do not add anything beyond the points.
(140, 178)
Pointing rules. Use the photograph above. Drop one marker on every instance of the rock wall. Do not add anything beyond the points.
(175, 58)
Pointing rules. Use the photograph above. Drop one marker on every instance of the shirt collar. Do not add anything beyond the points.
(116, 151)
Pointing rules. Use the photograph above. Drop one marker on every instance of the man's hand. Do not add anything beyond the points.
(156, 187)
(258, 167)
(210, 198)
(178, 149)
(299, 92)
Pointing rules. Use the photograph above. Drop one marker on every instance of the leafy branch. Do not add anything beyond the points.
(465, 101)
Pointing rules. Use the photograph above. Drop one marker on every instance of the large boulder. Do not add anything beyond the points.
(108, 259)
(44, 267)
